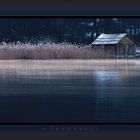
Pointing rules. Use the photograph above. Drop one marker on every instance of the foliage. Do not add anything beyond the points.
(72, 30)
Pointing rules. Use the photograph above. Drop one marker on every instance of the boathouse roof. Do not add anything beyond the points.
(109, 39)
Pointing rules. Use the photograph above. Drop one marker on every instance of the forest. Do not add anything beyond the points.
(71, 30)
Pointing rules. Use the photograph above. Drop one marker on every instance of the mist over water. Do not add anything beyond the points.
(69, 91)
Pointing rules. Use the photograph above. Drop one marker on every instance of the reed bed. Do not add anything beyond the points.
(20, 50)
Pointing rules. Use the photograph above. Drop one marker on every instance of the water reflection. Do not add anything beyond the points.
(70, 91)
(104, 76)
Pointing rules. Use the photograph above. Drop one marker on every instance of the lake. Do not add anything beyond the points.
(75, 91)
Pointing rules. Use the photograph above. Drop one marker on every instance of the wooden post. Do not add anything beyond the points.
(125, 51)
(117, 51)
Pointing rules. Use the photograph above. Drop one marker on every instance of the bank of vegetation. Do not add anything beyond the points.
(47, 51)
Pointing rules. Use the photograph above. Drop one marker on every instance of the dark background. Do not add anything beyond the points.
(58, 29)
(69, 7)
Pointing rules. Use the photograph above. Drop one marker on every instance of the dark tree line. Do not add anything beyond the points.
(74, 30)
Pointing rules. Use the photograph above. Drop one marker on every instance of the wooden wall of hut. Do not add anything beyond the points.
(125, 51)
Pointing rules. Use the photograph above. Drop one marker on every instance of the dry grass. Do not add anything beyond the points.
(46, 51)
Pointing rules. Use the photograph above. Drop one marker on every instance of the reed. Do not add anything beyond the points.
(20, 50)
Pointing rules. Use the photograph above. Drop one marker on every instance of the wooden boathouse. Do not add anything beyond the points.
(115, 45)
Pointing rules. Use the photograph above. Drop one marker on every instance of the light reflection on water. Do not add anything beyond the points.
(104, 76)
(70, 91)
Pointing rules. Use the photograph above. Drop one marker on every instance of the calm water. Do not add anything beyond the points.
(70, 91)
